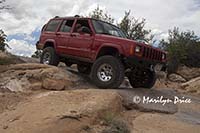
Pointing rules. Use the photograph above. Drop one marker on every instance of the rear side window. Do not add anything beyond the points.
(53, 25)
(67, 26)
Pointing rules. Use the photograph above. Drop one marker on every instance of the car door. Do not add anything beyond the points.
(80, 42)
(64, 34)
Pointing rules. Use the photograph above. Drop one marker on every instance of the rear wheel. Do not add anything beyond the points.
(49, 57)
(107, 72)
(142, 79)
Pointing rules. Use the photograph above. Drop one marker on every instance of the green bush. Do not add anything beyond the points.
(183, 49)
(3, 43)
(114, 124)
(117, 126)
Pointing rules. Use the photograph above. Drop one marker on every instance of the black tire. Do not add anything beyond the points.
(142, 79)
(84, 69)
(117, 72)
(53, 57)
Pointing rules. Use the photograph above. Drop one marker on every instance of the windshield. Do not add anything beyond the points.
(108, 29)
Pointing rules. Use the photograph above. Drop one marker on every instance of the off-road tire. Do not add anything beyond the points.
(117, 70)
(84, 69)
(54, 59)
(145, 80)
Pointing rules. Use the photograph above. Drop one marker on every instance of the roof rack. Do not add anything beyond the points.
(56, 17)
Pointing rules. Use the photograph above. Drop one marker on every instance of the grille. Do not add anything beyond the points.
(152, 54)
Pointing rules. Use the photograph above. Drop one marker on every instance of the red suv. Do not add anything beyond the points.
(101, 50)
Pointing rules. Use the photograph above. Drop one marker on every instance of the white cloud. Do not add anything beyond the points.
(21, 47)
(29, 38)
(91, 8)
(161, 15)
(28, 15)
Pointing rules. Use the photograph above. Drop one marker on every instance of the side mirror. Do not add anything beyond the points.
(86, 30)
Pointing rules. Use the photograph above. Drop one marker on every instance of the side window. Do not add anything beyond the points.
(52, 26)
(67, 26)
(98, 26)
(80, 24)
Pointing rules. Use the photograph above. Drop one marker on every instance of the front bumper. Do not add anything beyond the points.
(140, 62)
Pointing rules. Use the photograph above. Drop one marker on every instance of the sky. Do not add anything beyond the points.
(23, 22)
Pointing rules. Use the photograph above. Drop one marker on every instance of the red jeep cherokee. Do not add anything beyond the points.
(101, 50)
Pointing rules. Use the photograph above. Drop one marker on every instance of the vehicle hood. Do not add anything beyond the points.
(123, 41)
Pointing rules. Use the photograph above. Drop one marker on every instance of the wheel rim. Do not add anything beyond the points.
(105, 72)
(46, 58)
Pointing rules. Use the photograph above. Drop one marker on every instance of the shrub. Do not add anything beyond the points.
(113, 124)
(3, 43)
(117, 126)
(183, 49)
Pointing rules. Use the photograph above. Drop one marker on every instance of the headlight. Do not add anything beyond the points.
(163, 56)
(137, 49)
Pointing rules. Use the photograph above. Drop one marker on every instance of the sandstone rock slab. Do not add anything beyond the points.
(32, 76)
(130, 103)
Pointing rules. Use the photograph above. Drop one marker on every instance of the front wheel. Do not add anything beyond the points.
(49, 57)
(142, 79)
(107, 72)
